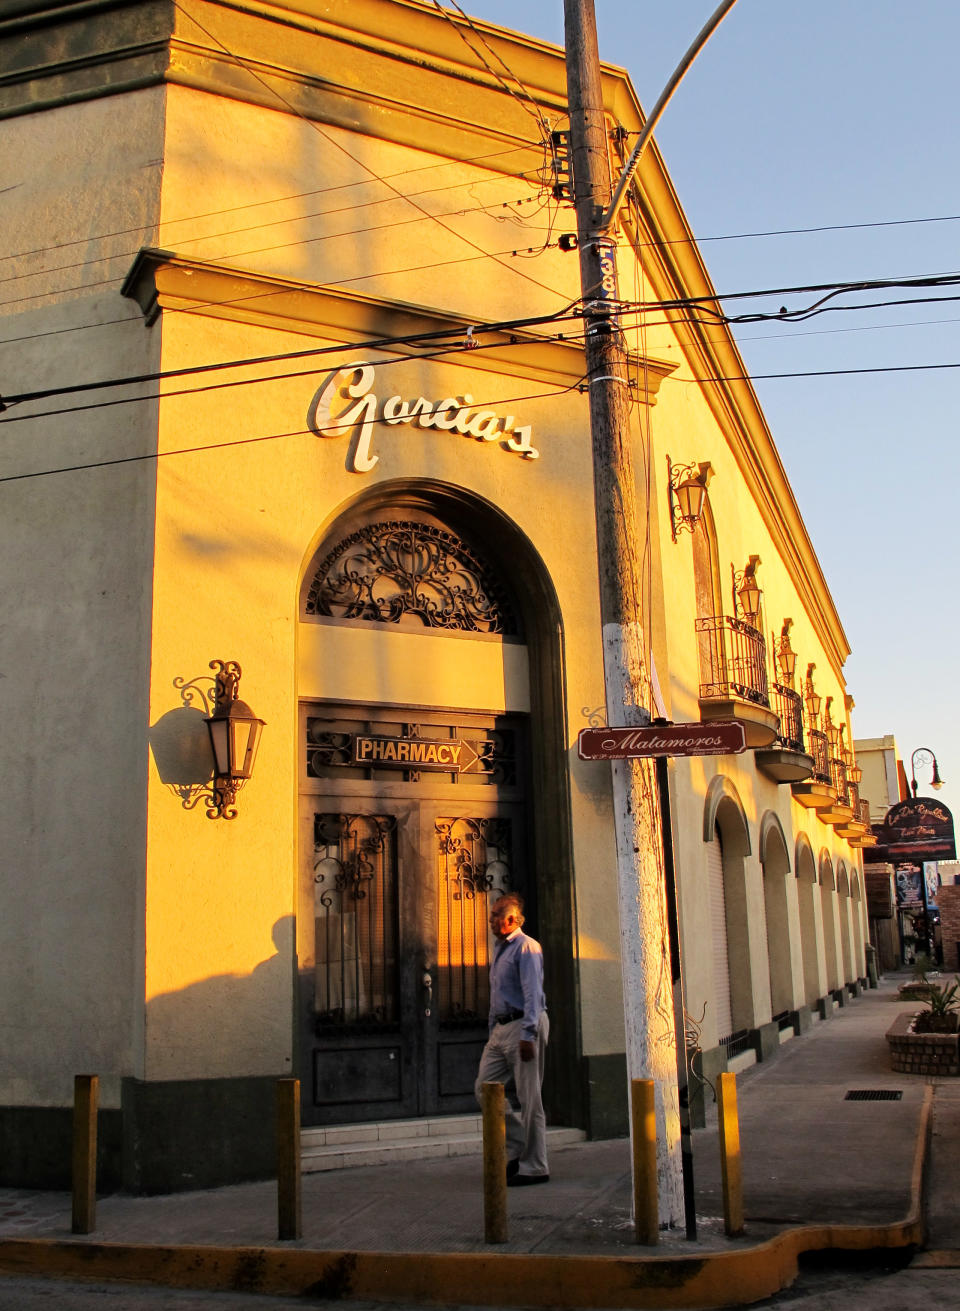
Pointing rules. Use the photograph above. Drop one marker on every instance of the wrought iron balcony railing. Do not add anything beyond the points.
(838, 780)
(864, 815)
(733, 660)
(820, 750)
(789, 706)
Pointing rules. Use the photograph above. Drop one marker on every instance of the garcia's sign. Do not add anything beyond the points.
(345, 404)
(723, 738)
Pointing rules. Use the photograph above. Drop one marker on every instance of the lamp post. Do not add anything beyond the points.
(925, 755)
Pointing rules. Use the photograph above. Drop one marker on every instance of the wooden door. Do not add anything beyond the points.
(396, 883)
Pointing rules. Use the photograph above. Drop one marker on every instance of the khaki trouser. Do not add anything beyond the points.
(522, 1080)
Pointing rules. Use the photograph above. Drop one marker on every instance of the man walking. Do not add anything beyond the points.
(517, 1041)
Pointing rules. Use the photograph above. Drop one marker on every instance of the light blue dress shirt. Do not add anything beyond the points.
(516, 981)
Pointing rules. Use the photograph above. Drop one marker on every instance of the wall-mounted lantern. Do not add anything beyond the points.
(786, 656)
(811, 699)
(686, 491)
(234, 736)
(746, 590)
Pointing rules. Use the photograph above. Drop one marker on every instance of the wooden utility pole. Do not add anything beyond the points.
(621, 537)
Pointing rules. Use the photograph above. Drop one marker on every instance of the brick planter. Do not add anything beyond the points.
(922, 1053)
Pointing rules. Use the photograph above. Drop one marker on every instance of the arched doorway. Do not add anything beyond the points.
(856, 906)
(846, 924)
(775, 864)
(725, 830)
(806, 882)
(828, 905)
(431, 713)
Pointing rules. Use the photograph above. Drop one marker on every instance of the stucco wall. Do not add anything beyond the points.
(77, 564)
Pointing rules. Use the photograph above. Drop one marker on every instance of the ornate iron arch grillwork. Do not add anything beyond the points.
(401, 570)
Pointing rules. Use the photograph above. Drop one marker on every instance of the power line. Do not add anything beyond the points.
(335, 282)
(249, 441)
(300, 195)
(242, 382)
(687, 303)
(797, 232)
(337, 145)
(531, 106)
(377, 343)
(289, 245)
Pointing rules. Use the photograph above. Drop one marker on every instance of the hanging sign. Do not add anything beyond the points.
(451, 755)
(723, 738)
(346, 405)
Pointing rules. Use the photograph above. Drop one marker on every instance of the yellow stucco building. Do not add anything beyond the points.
(308, 253)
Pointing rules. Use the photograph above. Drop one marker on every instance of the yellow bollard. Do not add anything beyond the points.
(731, 1171)
(643, 1127)
(289, 1218)
(86, 1093)
(494, 1164)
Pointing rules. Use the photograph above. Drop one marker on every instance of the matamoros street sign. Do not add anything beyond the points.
(723, 738)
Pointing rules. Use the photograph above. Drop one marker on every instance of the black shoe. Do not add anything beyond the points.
(525, 1180)
(512, 1168)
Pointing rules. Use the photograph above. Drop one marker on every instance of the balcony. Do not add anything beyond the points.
(866, 838)
(733, 673)
(817, 793)
(856, 827)
(787, 760)
(840, 814)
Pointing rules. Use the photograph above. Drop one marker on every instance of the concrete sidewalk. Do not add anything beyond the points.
(819, 1171)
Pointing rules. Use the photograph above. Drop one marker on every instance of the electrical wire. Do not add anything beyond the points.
(526, 101)
(313, 352)
(250, 441)
(337, 145)
(300, 195)
(800, 232)
(290, 245)
(700, 303)
(335, 282)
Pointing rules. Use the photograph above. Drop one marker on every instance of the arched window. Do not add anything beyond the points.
(411, 571)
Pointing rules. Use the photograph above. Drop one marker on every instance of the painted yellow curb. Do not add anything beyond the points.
(714, 1279)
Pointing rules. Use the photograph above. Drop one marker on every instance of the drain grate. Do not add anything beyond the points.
(873, 1095)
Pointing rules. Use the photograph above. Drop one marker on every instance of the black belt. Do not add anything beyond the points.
(508, 1016)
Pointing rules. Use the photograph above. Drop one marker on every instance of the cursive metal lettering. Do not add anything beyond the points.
(345, 404)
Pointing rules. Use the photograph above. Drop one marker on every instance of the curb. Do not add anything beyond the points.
(716, 1279)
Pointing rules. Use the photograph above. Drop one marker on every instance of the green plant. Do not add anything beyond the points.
(942, 999)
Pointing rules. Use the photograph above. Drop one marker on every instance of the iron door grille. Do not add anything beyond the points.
(355, 919)
(473, 870)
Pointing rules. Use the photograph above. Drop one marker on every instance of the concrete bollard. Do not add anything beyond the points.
(289, 1211)
(643, 1133)
(731, 1171)
(86, 1095)
(494, 1164)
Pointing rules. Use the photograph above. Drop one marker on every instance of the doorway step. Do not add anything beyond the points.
(340, 1146)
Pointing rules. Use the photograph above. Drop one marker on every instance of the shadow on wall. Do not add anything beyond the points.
(180, 741)
(213, 1123)
(180, 744)
(219, 1026)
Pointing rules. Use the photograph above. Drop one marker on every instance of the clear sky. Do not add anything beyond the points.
(810, 115)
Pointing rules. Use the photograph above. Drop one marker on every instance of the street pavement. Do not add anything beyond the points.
(840, 1173)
